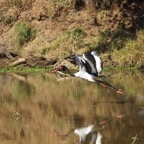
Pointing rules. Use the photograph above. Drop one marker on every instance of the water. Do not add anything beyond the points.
(36, 108)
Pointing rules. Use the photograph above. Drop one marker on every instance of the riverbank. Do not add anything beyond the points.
(44, 33)
(27, 69)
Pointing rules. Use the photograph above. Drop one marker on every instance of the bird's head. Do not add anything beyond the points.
(60, 68)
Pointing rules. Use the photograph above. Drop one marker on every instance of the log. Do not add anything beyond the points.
(8, 55)
(18, 62)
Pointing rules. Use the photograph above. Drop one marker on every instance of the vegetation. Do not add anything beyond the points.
(23, 34)
(17, 3)
(21, 69)
(123, 49)
(5, 20)
(65, 27)
(61, 1)
(132, 53)
(68, 43)
(135, 138)
(112, 40)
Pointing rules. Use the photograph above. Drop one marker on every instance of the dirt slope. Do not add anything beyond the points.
(52, 18)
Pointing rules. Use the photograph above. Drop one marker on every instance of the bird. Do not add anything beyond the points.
(90, 66)
(88, 135)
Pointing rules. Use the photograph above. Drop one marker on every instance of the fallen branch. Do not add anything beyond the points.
(8, 55)
(18, 62)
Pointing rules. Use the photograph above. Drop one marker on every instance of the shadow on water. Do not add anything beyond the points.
(35, 108)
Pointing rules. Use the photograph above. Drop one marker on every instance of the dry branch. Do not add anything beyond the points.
(18, 62)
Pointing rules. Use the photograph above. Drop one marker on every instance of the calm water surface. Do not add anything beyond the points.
(36, 108)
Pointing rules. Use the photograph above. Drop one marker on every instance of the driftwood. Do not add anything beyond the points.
(8, 55)
(5, 53)
(18, 62)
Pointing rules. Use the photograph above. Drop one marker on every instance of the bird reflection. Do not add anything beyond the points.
(88, 135)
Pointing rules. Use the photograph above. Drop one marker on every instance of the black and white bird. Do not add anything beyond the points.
(90, 66)
(88, 135)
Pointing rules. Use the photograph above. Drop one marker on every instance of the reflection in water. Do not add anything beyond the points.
(16, 86)
(88, 135)
(49, 109)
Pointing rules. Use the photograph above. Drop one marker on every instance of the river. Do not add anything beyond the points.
(36, 108)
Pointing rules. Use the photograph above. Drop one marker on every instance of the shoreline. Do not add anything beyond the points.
(37, 69)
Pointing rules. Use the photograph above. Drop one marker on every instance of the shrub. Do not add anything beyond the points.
(24, 33)
(7, 19)
(112, 40)
(78, 32)
(132, 53)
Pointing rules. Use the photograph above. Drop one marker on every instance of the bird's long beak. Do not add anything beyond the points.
(54, 71)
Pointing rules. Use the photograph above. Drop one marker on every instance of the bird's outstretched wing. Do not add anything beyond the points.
(89, 62)
(98, 62)
(82, 64)
(89, 58)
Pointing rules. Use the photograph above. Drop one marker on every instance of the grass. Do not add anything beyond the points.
(132, 53)
(135, 138)
(7, 19)
(23, 34)
(124, 50)
(61, 1)
(21, 69)
(17, 3)
(27, 69)
(111, 40)
(120, 48)
(68, 43)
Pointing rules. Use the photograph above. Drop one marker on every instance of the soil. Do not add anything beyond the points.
(51, 19)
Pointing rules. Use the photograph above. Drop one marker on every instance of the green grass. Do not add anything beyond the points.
(5, 20)
(21, 69)
(111, 40)
(68, 43)
(132, 53)
(23, 34)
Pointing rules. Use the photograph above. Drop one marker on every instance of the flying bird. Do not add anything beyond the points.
(90, 67)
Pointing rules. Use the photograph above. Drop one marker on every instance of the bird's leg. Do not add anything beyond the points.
(102, 77)
(105, 84)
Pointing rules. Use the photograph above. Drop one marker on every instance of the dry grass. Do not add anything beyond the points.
(51, 18)
(132, 53)
(68, 43)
